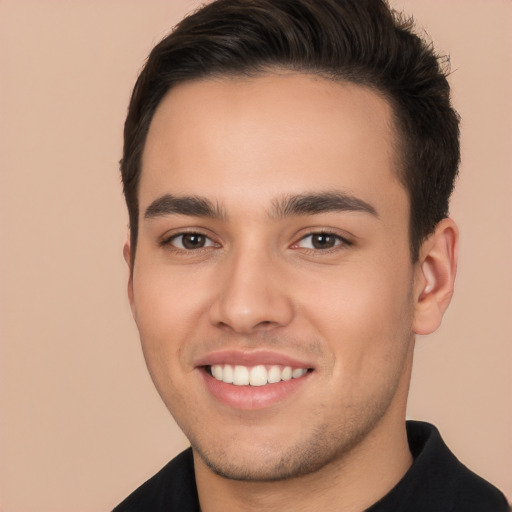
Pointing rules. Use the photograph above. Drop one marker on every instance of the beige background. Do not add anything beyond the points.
(81, 425)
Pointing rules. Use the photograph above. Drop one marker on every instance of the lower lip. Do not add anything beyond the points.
(252, 397)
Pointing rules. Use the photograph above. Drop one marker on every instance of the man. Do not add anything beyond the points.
(287, 169)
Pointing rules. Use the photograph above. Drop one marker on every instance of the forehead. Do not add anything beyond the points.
(241, 138)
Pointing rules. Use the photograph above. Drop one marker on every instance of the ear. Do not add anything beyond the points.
(127, 254)
(435, 276)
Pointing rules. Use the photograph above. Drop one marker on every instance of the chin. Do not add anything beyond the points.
(281, 467)
(271, 461)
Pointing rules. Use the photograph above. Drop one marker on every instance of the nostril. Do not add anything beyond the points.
(265, 324)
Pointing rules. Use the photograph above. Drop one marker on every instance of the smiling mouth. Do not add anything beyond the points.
(259, 375)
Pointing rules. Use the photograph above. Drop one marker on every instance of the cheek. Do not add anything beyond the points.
(365, 316)
(167, 311)
(168, 307)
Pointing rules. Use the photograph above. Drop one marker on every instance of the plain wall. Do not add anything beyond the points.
(81, 425)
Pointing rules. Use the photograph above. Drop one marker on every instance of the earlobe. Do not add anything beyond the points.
(127, 254)
(435, 276)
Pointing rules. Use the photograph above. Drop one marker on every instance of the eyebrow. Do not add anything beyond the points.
(292, 205)
(193, 206)
(323, 202)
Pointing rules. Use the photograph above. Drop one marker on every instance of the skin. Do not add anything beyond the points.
(350, 310)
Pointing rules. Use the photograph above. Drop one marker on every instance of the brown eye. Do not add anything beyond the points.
(191, 241)
(321, 241)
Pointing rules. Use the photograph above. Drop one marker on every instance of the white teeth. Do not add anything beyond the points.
(217, 371)
(257, 375)
(227, 374)
(286, 374)
(298, 372)
(274, 375)
(241, 376)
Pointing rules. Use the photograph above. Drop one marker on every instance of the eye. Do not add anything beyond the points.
(190, 241)
(321, 241)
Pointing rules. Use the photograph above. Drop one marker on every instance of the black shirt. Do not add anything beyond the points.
(436, 482)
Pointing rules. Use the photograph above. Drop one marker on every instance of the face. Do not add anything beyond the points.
(272, 279)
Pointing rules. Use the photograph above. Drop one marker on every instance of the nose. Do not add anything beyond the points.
(251, 295)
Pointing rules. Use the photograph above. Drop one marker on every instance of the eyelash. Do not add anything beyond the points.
(339, 242)
(167, 242)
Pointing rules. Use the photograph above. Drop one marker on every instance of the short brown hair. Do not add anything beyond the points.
(359, 41)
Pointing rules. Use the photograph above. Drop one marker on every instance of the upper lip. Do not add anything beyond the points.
(251, 358)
